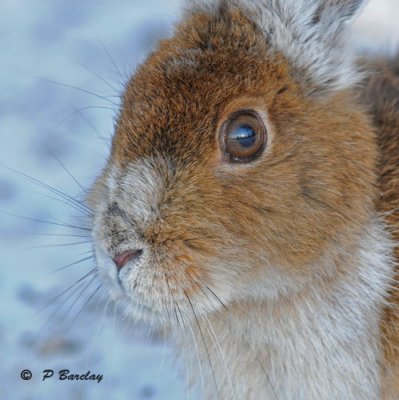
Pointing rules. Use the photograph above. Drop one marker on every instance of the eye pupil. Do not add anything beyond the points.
(244, 136)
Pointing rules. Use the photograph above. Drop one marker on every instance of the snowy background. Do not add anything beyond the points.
(62, 68)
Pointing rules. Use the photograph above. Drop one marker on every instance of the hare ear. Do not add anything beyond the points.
(343, 10)
(311, 34)
(332, 16)
(326, 58)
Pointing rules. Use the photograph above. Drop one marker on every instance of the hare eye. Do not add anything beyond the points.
(243, 136)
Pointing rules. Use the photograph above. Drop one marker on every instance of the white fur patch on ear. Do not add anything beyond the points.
(311, 34)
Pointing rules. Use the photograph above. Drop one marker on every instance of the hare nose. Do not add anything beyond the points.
(123, 258)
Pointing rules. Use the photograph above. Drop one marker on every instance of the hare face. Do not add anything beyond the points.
(228, 177)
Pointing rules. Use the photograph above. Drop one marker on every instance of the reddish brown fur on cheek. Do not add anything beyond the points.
(195, 275)
(305, 186)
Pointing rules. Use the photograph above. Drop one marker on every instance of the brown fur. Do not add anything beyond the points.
(382, 96)
(182, 93)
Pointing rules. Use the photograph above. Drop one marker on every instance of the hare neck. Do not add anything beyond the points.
(322, 343)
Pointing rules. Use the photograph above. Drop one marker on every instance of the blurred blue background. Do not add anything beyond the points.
(62, 69)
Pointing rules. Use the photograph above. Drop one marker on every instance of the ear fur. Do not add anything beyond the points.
(309, 33)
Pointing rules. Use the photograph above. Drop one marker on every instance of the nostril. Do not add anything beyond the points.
(123, 258)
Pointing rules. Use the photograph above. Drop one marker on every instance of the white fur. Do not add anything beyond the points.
(319, 342)
(318, 346)
(137, 189)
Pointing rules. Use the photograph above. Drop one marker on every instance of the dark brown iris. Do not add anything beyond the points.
(243, 136)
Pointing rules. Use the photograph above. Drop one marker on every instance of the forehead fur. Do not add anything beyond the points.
(179, 92)
(311, 34)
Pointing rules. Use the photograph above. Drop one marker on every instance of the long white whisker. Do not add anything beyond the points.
(216, 342)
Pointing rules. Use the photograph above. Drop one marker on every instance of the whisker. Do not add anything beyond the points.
(83, 287)
(216, 342)
(76, 286)
(161, 364)
(262, 366)
(48, 234)
(55, 298)
(68, 203)
(46, 246)
(246, 339)
(198, 358)
(73, 263)
(83, 306)
(174, 302)
(98, 76)
(91, 125)
(53, 234)
(204, 342)
(216, 297)
(81, 206)
(64, 167)
(66, 225)
(86, 252)
(93, 340)
(109, 55)
(78, 89)
(79, 111)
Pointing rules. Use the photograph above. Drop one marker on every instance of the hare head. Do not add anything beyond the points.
(241, 165)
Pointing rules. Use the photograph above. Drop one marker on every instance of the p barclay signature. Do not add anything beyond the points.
(66, 375)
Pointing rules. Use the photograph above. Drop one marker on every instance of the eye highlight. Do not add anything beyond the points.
(243, 136)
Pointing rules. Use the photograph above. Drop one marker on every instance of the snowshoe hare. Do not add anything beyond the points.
(250, 203)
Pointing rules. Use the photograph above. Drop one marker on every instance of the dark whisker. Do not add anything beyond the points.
(76, 286)
(98, 76)
(77, 297)
(86, 252)
(54, 234)
(64, 167)
(109, 55)
(58, 296)
(80, 205)
(44, 221)
(79, 110)
(91, 125)
(73, 263)
(46, 246)
(217, 298)
(68, 203)
(79, 89)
